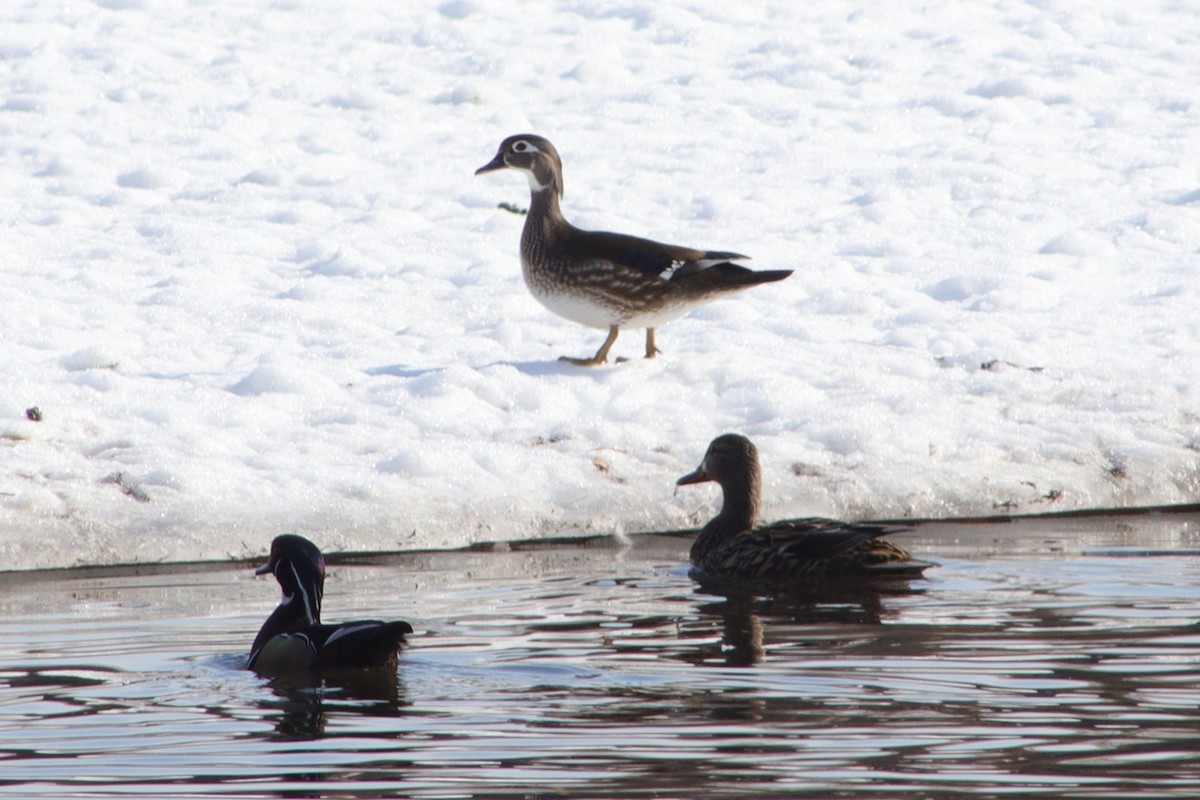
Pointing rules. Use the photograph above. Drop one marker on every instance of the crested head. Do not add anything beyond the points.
(533, 155)
(299, 567)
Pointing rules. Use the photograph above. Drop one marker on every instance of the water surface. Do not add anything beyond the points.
(1055, 659)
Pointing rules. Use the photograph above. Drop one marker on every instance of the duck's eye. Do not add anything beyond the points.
(520, 147)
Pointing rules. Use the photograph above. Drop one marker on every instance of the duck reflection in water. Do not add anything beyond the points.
(303, 700)
(790, 617)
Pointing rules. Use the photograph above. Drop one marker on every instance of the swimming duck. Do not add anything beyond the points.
(729, 547)
(293, 638)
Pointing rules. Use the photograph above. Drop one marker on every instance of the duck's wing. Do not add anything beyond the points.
(795, 546)
(655, 259)
(817, 537)
(357, 645)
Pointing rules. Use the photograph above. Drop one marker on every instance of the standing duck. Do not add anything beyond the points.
(609, 280)
(730, 548)
(293, 638)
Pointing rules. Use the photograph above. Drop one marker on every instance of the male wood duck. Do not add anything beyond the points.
(293, 638)
(609, 280)
(729, 547)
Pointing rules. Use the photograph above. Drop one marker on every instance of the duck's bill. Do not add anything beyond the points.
(493, 165)
(698, 476)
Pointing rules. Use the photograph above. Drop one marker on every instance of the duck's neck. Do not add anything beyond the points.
(542, 224)
(739, 511)
(739, 514)
(543, 203)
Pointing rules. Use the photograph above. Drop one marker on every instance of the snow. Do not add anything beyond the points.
(252, 285)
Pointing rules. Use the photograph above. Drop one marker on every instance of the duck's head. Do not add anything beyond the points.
(299, 567)
(730, 458)
(534, 156)
(731, 461)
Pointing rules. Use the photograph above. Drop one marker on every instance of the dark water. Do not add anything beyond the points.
(1060, 660)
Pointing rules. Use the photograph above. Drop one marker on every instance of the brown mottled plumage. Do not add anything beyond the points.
(609, 280)
(730, 547)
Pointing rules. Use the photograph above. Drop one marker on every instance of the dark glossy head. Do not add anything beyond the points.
(730, 458)
(534, 156)
(299, 567)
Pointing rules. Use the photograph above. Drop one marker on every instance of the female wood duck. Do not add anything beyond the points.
(609, 280)
(729, 547)
(293, 638)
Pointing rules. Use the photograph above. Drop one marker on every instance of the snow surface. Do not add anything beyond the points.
(252, 284)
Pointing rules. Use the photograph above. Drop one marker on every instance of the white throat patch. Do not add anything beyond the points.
(534, 184)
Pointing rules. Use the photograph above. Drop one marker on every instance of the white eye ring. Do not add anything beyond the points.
(520, 147)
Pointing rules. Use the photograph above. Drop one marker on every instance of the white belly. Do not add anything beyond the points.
(578, 308)
(594, 313)
(596, 309)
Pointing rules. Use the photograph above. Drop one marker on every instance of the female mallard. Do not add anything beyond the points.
(293, 638)
(730, 547)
